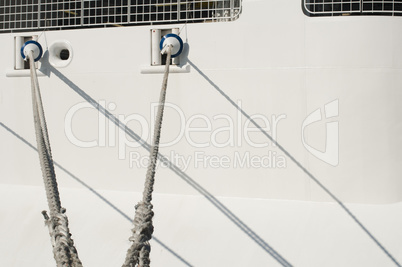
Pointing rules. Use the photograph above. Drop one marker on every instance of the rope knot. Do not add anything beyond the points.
(143, 230)
(142, 233)
(63, 246)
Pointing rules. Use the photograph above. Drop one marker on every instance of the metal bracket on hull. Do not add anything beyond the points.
(160, 69)
(22, 73)
(159, 39)
(21, 67)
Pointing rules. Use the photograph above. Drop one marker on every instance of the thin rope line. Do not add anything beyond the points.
(64, 251)
(143, 229)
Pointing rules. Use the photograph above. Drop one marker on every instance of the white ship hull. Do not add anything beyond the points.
(227, 195)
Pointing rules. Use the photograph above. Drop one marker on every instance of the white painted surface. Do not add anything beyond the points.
(191, 231)
(275, 62)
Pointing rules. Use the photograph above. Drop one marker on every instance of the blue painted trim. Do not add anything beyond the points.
(173, 36)
(35, 43)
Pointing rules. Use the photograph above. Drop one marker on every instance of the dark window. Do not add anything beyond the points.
(352, 7)
(25, 15)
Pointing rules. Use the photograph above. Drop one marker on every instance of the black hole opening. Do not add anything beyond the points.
(64, 54)
(164, 57)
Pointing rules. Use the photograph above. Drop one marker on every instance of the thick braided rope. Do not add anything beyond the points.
(139, 251)
(64, 251)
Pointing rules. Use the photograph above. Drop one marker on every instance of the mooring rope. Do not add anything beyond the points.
(140, 249)
(64, 251)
